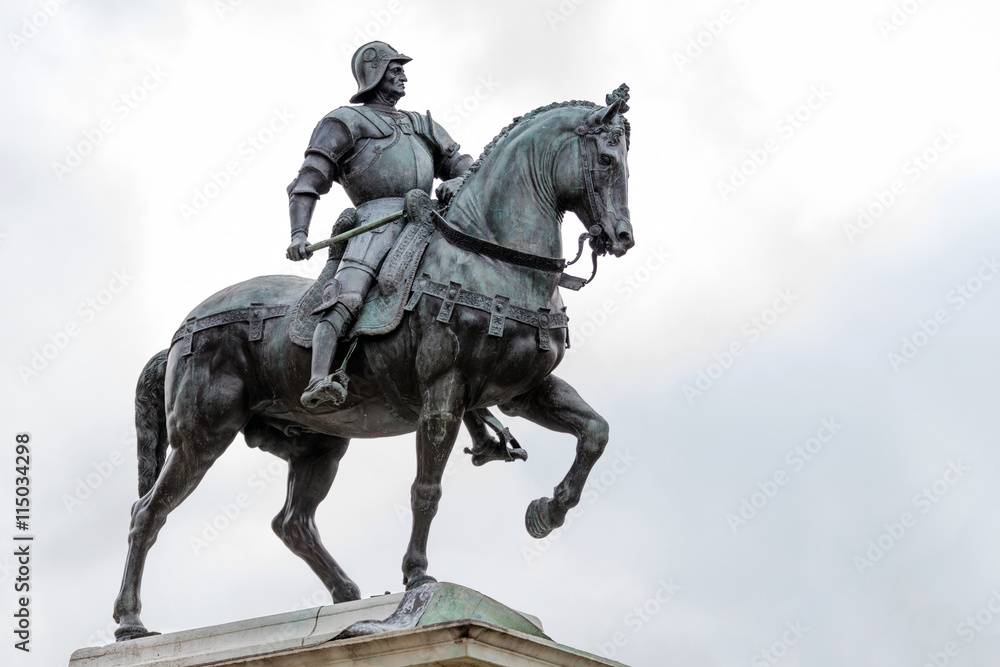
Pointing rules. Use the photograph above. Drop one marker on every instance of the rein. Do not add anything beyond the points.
(460, 239)
(572, 282)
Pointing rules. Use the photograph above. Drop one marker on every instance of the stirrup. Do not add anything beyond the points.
(331, 389)
(502, 448)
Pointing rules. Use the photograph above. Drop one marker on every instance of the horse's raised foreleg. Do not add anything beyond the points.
(556, 406)
(310, 475)
(437, 430)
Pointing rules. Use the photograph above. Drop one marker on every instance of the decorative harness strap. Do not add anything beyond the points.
(254, 315)
(590, 166)
(499, 308)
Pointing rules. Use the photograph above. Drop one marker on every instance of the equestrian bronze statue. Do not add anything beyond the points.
(460, 312)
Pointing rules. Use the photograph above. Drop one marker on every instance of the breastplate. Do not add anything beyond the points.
(388, 166)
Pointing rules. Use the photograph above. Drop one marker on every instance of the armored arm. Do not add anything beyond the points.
(455, 165)
(449, 164)
(330, 141)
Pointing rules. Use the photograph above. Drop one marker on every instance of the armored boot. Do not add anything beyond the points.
(325, 387)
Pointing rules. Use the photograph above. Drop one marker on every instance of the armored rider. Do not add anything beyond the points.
(377, 153)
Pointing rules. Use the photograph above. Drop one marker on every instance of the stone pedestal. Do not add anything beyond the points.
(439, 625)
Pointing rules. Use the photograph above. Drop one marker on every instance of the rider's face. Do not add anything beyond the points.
(393, 83)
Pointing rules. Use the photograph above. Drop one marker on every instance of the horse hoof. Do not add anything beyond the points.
(347, 593)
(132, 631)
(419, 581)
(536, 519)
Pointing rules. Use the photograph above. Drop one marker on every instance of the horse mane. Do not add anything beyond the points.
(583, 104)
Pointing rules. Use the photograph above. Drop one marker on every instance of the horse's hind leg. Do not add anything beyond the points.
(203, 419)
(312, 466)
(555, 405)
(192, 455)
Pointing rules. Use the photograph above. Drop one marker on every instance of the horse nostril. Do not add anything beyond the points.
(626, 238)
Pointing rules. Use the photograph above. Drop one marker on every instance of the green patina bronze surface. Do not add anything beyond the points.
(455, 603)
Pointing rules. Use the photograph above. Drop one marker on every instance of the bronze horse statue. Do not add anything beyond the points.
(444, 360)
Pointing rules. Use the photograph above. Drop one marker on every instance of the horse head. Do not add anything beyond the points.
(568, 156)
(602, 203)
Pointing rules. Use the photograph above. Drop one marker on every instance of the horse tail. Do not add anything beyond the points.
(151, 421)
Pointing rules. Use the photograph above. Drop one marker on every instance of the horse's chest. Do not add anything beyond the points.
(498, 368)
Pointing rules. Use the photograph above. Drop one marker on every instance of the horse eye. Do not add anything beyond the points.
(606, 160)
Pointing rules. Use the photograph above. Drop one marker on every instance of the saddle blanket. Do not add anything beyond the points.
(383, 308)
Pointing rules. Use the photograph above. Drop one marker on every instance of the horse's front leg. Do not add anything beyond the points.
(556, 406)
(437, 430)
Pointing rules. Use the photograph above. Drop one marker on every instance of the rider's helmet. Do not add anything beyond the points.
(369, 64)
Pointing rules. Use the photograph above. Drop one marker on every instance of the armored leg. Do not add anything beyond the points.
(342, 300)
(324, 387)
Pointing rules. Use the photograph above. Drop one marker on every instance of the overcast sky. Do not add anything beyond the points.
(798, 359)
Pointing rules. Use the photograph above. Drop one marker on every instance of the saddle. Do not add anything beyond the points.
(384, 305)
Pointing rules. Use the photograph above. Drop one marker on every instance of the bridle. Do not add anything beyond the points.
(592, 167)
(594, 170)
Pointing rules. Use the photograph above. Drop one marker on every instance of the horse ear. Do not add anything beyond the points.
(603, 115)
